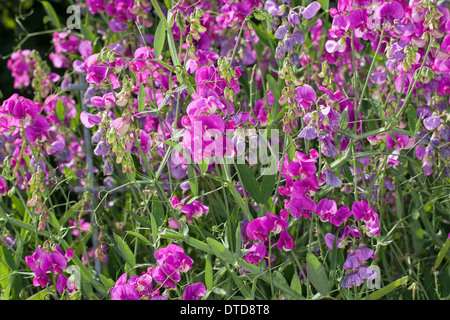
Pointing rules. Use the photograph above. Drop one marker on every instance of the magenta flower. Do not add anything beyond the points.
(50, 258)
(390, 11)
(38, 129)
(194, 291)
(339, 217)
(21, 67)
(279, 223)
(194, 209)
(170, 262)
(82, 226)
(123, 290)
(3, 186)
(373, 226)
(398, 141)
(305, 96)
(256, 253)
(54, 262)
(64, 283)
(96, 71)
(259, 228)
(167, 275)
(285, 242)
(325, 208)
(362, 210)
(301, 207)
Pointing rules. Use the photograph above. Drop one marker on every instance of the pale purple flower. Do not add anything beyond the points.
(308, 133)
(352, 279)
(352, 261)
(329, 241)
(89, 120)
(311, 10)
(281, 31)
(331, 179)
(272, 7)
(432, 122)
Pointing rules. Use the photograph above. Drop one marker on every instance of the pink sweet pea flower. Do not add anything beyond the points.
(305, 96)
(123, 291)
(89, 120)
(194, 291)
(256, 253)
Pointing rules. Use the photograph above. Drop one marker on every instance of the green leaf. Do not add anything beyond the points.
(171, 234)
(140, 219)
(412, 117)
(347, 172)
(264, 275)
(193, 181)
(18, 205)
(158, 10)
(325, 4)
(220, 250)
(316, 274)
(52, 14)
(154, 228)
(267, 187)
(40, 295)
(60, 110)
(70, 175)
(160, 38)
(8, 258)
(260, 193)
(268, 39)
(107, 282)
(124, 250)
(296, 284)
(208, 273)
(141, 101)
(387, 289)
(442, 253)
(140, 237)
(291, 149)
(158, 212)
(168, 4)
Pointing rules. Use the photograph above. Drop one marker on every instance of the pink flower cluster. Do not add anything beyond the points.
(261, 230)
(191, 210)
(50, 257)
(171, 261)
